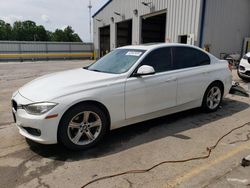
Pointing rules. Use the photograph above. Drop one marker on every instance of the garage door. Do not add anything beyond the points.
(124, 33)
(104, 40)
(153, 28)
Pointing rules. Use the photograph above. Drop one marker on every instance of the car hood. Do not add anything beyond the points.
(59, 84)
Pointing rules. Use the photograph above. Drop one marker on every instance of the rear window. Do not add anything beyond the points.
(186, 57)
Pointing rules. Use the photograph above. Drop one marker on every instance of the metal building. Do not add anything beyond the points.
(221, 26)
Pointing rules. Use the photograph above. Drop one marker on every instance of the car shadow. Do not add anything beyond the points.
(134, 135)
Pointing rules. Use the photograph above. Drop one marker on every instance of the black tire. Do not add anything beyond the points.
(64, 135)
(205, 104)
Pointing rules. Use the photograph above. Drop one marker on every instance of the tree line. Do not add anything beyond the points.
(30, 31)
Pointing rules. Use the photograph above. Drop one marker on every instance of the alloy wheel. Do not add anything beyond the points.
(214, 97)
(84, 128)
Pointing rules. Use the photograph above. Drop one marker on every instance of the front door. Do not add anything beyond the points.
(152, 93)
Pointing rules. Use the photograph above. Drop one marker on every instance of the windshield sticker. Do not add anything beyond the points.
(134, 53)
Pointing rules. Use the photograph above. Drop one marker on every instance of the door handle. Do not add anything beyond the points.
(170, 80)
(205, 72)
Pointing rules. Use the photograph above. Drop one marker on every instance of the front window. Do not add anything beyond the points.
(160, 59)
(117, 61)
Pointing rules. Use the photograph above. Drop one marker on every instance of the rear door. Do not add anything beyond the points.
(192, 71)
(151, 93)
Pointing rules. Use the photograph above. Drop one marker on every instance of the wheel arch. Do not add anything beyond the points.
(89, 102)
(219, 82)
(214, 82)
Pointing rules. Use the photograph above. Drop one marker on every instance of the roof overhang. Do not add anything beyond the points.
(106, 4)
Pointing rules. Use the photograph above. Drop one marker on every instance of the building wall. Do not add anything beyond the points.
(227, 23)
(183, 17)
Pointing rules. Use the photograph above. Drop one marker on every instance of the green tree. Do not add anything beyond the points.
(71, 35)
(66, 35)
(41, 34)
(8, 29)
(18, 31)
(49, 35)
(59, 36)
(29, 31)
(5, 31)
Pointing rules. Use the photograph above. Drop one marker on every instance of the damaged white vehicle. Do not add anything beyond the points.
(244, 67)
(129, 85)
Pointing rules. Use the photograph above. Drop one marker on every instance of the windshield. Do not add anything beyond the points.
(117, 61)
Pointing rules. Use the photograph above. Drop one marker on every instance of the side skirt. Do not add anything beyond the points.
(168, 111)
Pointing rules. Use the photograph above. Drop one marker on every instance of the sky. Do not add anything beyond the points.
(52, 14)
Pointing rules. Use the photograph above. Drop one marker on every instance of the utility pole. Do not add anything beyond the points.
(90, 25)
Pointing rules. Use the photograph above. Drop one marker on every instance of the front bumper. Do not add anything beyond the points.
(34, 127)
(244, 74)
(244, 69)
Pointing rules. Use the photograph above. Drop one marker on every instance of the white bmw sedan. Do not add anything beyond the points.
(129, 85)
(244, 67)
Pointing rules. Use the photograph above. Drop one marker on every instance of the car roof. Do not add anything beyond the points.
(150, 46)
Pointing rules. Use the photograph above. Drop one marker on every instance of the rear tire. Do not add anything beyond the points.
(82, 127)
(213, 97)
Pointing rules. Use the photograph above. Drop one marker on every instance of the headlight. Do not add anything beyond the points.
(39, 108)
(242, 68)
(246, 58)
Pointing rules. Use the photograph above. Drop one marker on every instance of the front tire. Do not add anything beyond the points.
(82, 127)
(212, 98)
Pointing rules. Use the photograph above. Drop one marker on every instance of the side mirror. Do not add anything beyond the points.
(145, 70)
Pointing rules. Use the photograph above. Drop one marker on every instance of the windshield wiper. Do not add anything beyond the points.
(87, 68)
(95, 70)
